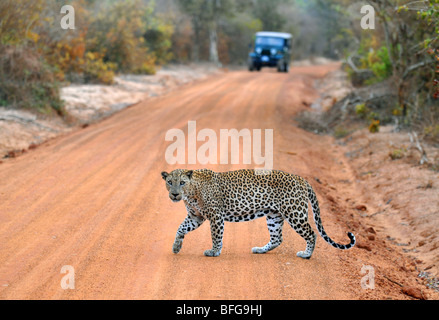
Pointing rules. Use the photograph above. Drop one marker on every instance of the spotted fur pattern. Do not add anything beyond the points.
(244, 195)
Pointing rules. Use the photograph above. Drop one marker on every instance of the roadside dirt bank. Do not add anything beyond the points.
(398, 175)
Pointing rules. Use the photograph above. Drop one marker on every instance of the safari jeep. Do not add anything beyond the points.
(271, 49)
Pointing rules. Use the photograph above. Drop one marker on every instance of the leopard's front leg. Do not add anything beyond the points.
(217, 231)
(189, 224)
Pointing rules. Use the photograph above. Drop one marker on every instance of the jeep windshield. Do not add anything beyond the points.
(269, 42)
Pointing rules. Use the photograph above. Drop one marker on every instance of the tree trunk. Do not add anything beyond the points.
(213, 47)
(196, 42)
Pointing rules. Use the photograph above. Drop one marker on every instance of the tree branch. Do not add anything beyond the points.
(414, 67)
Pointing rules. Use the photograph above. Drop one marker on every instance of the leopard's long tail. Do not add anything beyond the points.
(316, 210)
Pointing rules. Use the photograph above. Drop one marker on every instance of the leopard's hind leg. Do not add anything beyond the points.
(275, 222)
(298, 220)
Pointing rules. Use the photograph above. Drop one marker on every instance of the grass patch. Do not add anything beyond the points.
(397, 153)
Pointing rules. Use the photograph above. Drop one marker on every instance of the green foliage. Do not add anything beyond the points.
(361, 110)
(404, 48)
(18, 20)
(374, 58)
(239, 32)
(374, 126)
(158, 41)
(429, 13)
(397, 153)
(432, 132)
(95, 70)
(118, 32)
(205, 17)
(269, 14)
(110, 36)
(380, 64)
(26, 79)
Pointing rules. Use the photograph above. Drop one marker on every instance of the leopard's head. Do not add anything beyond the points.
(177, 183)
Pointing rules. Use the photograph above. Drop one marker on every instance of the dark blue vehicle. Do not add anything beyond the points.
(271, 49)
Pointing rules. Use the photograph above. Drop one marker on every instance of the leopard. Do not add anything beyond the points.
(245, 195)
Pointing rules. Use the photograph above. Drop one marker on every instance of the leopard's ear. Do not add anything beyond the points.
(165, 175)
(189, 173)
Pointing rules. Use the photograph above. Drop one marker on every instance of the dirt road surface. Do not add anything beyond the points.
(94, 200)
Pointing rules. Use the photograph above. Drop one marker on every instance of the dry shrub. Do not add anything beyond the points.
(27, 81)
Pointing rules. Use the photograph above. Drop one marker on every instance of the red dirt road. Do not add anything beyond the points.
(95, 200)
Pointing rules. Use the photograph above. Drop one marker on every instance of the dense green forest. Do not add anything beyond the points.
(37, 55)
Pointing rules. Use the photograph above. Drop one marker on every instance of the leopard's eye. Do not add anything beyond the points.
(182, 183)
(170, 182)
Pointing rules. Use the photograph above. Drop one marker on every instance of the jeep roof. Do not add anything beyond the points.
(274, 34)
